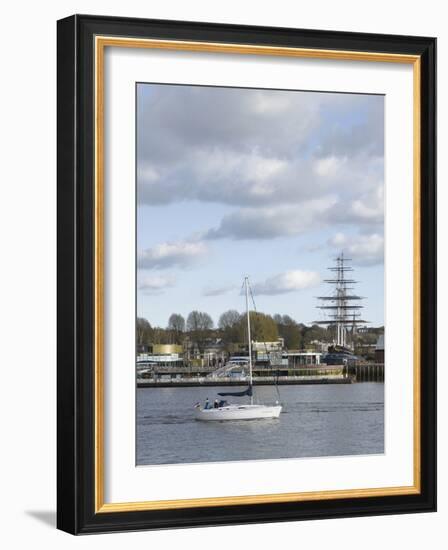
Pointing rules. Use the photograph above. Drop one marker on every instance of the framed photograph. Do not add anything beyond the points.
(246, 274)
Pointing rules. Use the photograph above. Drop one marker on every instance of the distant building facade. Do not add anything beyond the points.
(159, 355)
(300, 358)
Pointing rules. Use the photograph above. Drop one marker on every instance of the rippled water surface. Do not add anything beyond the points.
(320, 420)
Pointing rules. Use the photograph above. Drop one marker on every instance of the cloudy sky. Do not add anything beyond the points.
(266, 183)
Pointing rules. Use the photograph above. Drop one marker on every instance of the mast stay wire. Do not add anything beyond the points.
(264, 342)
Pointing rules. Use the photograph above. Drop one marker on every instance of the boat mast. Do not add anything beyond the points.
(249, 338)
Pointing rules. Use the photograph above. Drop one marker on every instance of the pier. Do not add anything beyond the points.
(368, 372)
(262, 381)
(168, 377)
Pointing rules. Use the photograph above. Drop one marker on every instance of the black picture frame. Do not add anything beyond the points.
(76, 511)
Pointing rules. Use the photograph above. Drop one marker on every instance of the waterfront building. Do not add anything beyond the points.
(160, 355)
(277, 345)
(269, 352)
(214, 354)
(300, 358)
(289, 359)
(318, 345)
(144, 348)
(210, 352)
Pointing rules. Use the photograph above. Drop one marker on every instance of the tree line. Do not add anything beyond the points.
(199, 328)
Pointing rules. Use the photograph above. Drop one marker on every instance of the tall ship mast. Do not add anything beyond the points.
(342, 307)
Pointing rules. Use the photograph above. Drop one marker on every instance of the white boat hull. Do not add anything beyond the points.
(238, 412)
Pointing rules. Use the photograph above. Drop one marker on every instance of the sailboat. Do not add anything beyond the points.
(248, 411)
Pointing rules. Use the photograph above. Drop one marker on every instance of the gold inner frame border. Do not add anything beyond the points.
(100, 43)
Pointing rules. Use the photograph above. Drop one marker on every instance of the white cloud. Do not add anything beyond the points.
(289, 281)
(172, 254)
(329, 166)
(218, 291)
(269, 223)
(155, 284)
(338, 240)
(256, 178)
(364, 212)
(227, 177)
(148, 173)
(365, 250)
(270, 103)
(369, 208)
(174, 120)
(253, 148)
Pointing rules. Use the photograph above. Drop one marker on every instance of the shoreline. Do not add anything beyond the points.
(188, 383)
(334, 374)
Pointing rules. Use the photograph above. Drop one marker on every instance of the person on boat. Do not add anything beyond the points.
(216, 404)
(207, 404)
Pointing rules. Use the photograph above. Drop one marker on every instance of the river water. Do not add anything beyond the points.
(317, 420)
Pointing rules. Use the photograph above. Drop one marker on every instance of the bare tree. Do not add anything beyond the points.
(287, 320)
(229, 319)
(199, 321)
(143, 331)
(230, 326)
(176, 327)
(278, 319)
(176, 322)
(199, 324)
